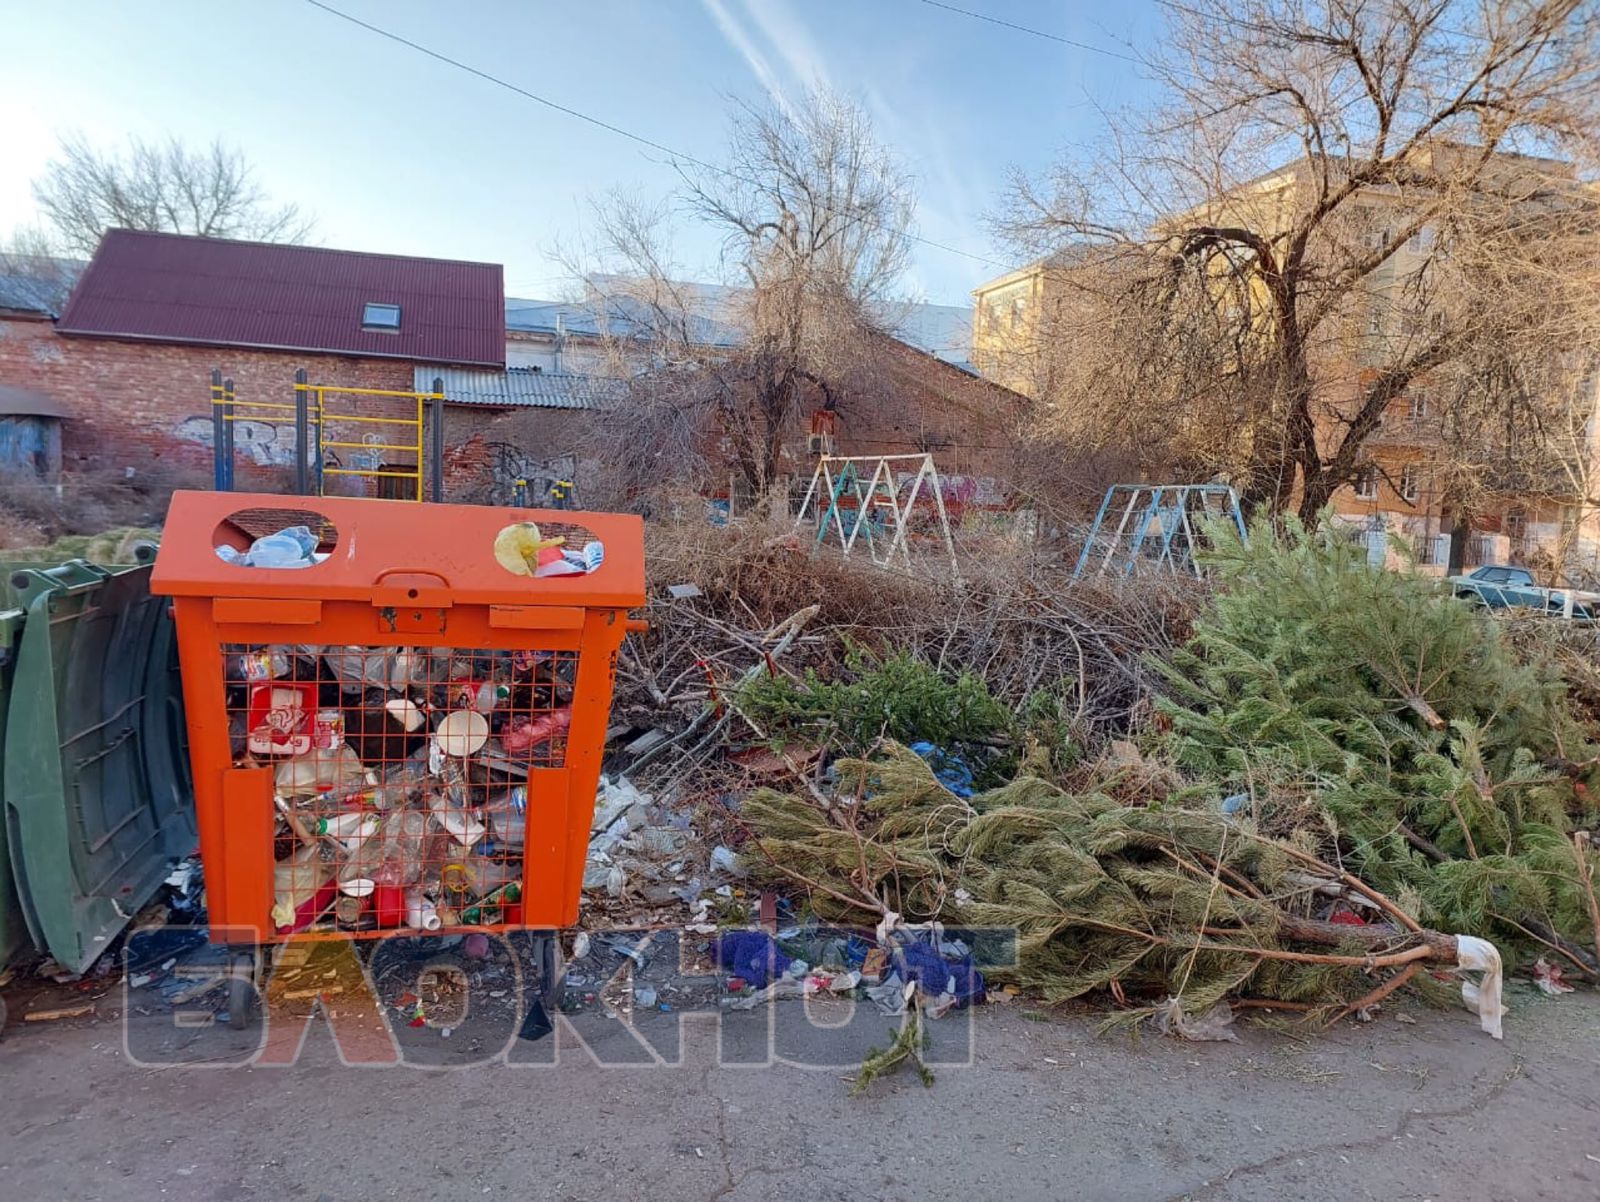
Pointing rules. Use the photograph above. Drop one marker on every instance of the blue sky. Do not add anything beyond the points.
(392, 151)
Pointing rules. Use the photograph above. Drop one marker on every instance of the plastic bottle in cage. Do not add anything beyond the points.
(490, 694)
(262, 663)
(360, 668)
(351, 829)
(508, 824)
(454, 793)
(404, 856)
(400, 786)
(394, 857)
(488, 908)
(460, 824)
(301, 776)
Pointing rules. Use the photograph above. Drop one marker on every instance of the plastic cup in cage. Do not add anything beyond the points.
(406, 712)
(462, 732)
(327, 733)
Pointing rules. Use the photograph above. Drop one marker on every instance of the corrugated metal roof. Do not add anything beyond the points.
(613, 316)
(175, 288)
(37, 283)
(944, 331)
(520, 388)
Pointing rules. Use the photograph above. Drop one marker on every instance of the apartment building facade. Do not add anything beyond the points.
(1545, 516)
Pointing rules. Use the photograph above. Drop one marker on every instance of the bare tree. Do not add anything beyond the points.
(1328, 210)
(814, 215)
(162, 186)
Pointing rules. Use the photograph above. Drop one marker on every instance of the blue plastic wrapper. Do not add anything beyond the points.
(950, 769)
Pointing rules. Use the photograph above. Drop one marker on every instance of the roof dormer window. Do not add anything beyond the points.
(383, 318)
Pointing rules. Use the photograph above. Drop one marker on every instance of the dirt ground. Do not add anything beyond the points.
(1046, 1108)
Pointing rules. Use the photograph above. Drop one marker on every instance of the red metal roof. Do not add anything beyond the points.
(176, 288)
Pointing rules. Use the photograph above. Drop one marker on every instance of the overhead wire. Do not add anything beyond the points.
(620, 131)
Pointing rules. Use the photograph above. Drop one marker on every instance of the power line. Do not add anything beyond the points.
(1038, 33)
(567, 110)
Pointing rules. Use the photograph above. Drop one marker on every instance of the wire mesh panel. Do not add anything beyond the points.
(396, 713)
(400, 776)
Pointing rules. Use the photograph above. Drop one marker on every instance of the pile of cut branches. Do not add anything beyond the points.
(1162, 904)
(1079, 658)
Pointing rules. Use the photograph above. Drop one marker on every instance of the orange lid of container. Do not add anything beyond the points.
(429, 555)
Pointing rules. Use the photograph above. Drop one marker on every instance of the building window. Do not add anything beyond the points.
(1410, 484)
(1366, 484)
(378, 316)
(1417, 407)
(1517, 526)
(1019, 308)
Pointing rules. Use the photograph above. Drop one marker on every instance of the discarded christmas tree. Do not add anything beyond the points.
(1149, 904)
(1377, 716)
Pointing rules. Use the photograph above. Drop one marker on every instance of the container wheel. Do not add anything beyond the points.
(552, 971)
(243, 999)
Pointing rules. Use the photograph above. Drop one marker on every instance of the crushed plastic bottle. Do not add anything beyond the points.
(358, 669)
(489, 695)
(294, 547)
(461, 825)
(301, 775)
(507, 822)
(394, 858)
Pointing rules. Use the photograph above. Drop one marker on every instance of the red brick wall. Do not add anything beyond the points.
(913, 402)
(148, 405)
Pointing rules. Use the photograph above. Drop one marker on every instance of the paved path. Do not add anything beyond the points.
(1047, 1110)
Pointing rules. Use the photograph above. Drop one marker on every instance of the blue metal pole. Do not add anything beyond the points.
(218, 439)
(1144, 525)
(1094, 530)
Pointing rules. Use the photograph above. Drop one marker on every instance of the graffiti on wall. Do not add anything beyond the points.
(262, 443)
(548, 482)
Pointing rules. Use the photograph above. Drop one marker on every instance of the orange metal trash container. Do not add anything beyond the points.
(407, 733)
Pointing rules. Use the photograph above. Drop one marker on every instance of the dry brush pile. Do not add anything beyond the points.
(768, 609)
(1353, 770)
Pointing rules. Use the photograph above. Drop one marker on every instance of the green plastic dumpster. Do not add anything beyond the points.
(13, 928)
(95, 780)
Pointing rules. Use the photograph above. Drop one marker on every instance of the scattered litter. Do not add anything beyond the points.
(1484, 995)
(293, 547)
(58, 1013)
(950, 769)
(1214, 1026)
(1549, 978)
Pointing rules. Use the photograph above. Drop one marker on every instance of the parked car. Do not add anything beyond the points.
(1498, 586)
